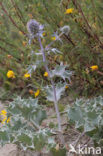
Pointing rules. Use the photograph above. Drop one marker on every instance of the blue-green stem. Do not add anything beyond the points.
(53, 85)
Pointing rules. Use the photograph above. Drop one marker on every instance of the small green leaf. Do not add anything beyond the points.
(25, 139)
(88, 126)
(60, 152)
(4, 137)
(39, 116)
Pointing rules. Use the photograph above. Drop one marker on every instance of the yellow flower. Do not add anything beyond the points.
(46, 74)
(10, 74)
(3, 121)
(37, 93)
(8, 120)
(26, 75)
(53, 38)
(66, 87)
(3, 112)
(94, 68)
(69, 11)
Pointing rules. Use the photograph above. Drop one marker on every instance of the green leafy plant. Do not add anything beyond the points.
(87, 115)
(53, 91)
(24, 129)
(80, 51)
(26, 115)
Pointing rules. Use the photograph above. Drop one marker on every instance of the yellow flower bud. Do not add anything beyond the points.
(8, 120)
(69, 11)
(46, 74)
(66, 87)
(10, 74)
(26, 75)
(53, 38)
(94, 68)
(37, 93)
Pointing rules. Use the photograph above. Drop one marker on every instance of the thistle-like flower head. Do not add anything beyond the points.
(34, 27)
(65, 29)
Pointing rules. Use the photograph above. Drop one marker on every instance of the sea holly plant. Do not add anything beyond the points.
(23, 127)
(87, 115)
(55, 90)
(26, 115)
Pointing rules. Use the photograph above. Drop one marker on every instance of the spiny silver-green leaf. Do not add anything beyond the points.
(87, 114)
(28, 109)
(54, 50)
(61, 71)
(31, 68)
(60, 88)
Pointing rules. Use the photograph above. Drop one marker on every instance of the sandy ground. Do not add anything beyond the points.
(8, 150)
(11, 150)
